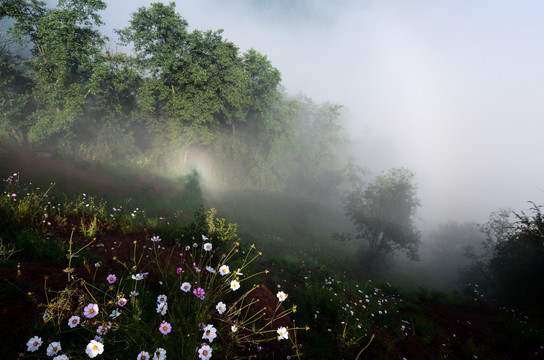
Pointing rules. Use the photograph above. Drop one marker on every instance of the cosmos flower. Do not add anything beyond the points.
(94, 348)
(281, 296)
(234, 285)
(53, 348)
(282, 333)
(224, 270)
(122, 302)
(134, 293)
(179, 271)
(160, 354)
(46, 316)
(199, 292)
(205, 352)
(34, 343)
(115, 313)
(61, 357)
(90, 311)
(139, 276)
(161, 299)
(155, 238)
(208, 246)
(162, 308)
(210, 269)
(111, 278)
(143, 355)
(221, 307)
(234, 328)
(102, 330)
(204, 238)
(210, 333)
(74, 321)
(185, 286)
(165, 328)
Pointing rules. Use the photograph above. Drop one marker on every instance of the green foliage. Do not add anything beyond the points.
(65, 50)
(182, 94)
(15, 89)
(23, 206)
(517, 263)
(383, 214)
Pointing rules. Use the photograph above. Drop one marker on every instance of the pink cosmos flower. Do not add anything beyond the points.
(73, 321)
(205, 352)
(90, 311)
(143, 355)
(199, 292)
(165, 328)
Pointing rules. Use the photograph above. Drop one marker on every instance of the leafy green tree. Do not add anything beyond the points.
(198, 92)
(263, 87)
(65, 46)
(383, 214)
(15, 90)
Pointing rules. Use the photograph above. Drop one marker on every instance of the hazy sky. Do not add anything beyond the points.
(451, 89)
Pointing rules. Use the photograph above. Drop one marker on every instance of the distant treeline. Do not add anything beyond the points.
(173, 94)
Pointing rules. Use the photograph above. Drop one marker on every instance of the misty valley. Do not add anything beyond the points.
(171, 199)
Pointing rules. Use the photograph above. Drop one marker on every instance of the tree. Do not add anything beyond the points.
(446, 251)
(496, 230)
(15, 90)
(517, 264)
(383, 215)
(65, 48)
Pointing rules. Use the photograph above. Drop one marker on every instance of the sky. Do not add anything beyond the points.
(449, 89)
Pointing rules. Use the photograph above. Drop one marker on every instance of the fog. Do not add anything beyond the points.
(450, 90)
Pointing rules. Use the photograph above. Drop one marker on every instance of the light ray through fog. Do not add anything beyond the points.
(451, 90)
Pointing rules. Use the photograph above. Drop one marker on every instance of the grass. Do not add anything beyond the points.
(346, 317)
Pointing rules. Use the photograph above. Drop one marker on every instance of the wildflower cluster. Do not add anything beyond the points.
(160, 295)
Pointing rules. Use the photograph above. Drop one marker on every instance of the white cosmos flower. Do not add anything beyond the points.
(208, 246)
(61, 357)
(234, 285)
(94, 348)
(221, 307)
(160, 354)
(161, 299)
(162, 307)
(115, 313)
(138, 277)
(234, 328)
(281, 296)
(210, 269)
(185, 286)
(34, 343)
(210, 333)
(53, 348)
(282, 333)
(224, 270)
